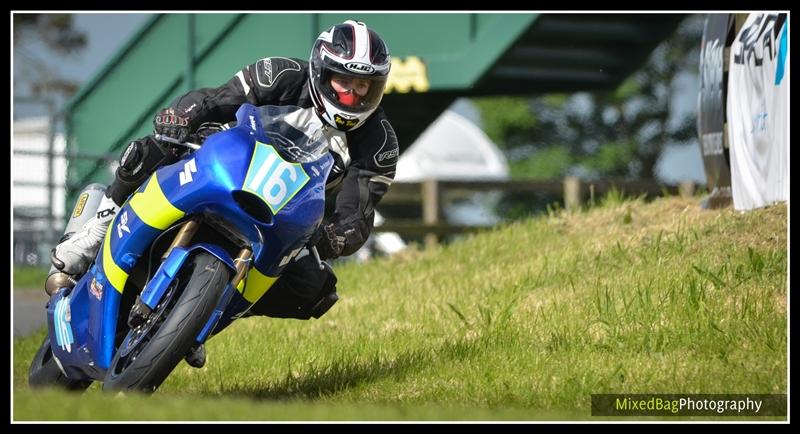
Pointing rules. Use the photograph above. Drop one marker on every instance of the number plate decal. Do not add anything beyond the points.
(273, 179)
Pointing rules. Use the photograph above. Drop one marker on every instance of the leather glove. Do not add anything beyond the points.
(205, 130)
(329, 241)
(169, 124)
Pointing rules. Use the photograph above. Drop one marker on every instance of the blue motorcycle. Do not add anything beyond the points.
(189, 252)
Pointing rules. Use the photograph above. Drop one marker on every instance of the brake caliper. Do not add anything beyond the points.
(140, 312)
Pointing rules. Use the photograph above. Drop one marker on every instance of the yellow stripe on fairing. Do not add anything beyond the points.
(153, 207)
(115, 275)
(257, 284)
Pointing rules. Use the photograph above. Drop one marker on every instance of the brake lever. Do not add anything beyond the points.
(163, 138)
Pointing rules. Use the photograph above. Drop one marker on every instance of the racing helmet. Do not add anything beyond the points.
(348, 68)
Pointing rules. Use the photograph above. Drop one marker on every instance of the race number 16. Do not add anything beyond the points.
(273, 179)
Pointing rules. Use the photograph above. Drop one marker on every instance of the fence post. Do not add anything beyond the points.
(686, 189)
(572, 193)
(430, 208)
(54, 230)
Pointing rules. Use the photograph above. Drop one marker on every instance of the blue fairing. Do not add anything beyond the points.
(80, 325)
(83, 322)
(222, 165)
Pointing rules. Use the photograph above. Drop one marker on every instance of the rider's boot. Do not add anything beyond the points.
(197, 356)
(74, 254)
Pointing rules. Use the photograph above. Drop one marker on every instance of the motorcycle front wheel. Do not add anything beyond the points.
(150, 351)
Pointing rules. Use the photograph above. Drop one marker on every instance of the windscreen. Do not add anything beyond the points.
(295, 132)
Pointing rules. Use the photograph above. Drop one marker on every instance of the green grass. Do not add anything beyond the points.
(27, 277)
(522, 322)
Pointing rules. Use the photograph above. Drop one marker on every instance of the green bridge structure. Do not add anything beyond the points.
(436, 58)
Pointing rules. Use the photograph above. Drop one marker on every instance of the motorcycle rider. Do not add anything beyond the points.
(342, 83)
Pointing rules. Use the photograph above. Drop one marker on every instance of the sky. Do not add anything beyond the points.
(107, 33)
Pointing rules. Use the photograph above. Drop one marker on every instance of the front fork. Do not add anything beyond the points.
(140, 311)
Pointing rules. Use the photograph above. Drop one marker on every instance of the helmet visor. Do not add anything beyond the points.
(352, 93)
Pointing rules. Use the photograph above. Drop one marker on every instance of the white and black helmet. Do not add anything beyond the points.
(352, 50)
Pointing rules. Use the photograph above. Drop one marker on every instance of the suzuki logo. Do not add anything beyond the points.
(253, 122)
(123, 224)
(360, 67)
(186, 175)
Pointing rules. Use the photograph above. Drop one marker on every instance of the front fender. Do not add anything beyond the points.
(158, 285)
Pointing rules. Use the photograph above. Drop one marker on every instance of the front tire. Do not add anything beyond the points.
(150, 351)
(44, 371)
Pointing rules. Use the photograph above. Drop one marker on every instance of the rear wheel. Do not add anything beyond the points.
(152, 349)
(44, 371)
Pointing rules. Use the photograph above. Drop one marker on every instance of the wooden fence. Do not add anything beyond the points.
(431, 193)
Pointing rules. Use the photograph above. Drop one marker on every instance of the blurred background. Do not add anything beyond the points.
(576, 119)
(499, 116)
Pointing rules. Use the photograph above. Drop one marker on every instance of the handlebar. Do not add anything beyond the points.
(163, 138)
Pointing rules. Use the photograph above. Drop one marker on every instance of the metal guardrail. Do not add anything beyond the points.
(71, 156)
(43, 228)
(107, 158)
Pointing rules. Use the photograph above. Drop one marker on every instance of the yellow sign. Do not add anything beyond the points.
(406, 75)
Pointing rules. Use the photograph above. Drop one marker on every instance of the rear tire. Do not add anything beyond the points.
(44, 371)
(151, 351)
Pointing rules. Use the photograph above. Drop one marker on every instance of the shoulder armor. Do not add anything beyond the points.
(270, 69)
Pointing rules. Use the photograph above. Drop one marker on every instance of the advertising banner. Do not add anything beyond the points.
(711, 110)
(757, 107)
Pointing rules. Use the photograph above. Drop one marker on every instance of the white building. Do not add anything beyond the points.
(30, 202)
(32, 135)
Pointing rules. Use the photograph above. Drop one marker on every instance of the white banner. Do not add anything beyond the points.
(758, 97)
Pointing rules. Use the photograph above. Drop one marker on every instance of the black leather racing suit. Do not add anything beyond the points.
(364, 159)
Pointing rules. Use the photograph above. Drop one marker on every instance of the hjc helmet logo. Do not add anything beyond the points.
(360, 67)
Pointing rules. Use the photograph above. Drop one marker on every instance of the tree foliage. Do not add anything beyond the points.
(618, 133)
(55, 30)
(39, 41)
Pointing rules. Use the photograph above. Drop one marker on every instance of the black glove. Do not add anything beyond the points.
(329, 241)
(205, 130)
(169, 124)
